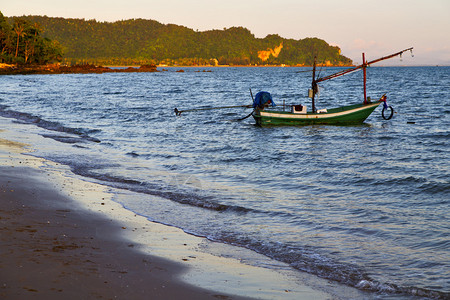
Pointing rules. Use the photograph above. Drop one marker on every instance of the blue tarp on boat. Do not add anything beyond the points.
(263, 99)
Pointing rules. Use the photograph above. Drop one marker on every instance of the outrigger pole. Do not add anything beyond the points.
(178, 112)
(364, 65)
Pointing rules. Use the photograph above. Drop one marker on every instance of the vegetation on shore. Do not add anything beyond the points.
(26, 69)
(140, 42)
(21, 42)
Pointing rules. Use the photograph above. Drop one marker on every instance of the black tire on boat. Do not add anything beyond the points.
(390, 115)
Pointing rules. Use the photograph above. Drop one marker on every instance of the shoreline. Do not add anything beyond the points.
(51, 252)
(75, 69)
(60, 232)
(6, 69)
(51, 247)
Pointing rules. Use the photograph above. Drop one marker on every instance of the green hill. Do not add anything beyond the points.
(139, 41)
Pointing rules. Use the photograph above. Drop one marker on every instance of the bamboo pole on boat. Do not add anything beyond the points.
(365, 77)
(364, 65)
(179, 112)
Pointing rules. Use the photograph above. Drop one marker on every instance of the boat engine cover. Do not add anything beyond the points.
(263, 99)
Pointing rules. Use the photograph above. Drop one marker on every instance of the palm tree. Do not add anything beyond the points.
(19, 29)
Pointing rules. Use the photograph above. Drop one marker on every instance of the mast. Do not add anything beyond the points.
(365, 77)
(314, 85)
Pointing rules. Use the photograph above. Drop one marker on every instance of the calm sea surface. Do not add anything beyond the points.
(367, 206)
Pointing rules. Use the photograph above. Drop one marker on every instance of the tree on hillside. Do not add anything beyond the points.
(5, 40)
(19, 28)
(22, 43)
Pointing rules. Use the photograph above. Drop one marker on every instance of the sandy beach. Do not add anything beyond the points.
(62, 237)
(51, 248)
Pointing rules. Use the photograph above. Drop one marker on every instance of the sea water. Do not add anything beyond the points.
(365, 205)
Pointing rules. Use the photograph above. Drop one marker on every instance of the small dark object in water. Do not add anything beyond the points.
(410, 122)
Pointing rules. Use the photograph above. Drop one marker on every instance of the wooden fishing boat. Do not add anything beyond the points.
(345, 115)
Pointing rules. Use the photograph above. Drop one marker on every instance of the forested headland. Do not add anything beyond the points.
(144, 42)
(21, 42)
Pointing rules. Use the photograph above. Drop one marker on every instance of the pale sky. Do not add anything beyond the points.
(376, 27)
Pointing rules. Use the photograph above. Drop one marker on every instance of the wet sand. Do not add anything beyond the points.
(50, 249)
(64, 238)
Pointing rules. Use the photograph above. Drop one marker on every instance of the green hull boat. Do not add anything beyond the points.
(345, 115)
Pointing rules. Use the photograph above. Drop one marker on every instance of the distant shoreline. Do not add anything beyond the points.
(8, 69)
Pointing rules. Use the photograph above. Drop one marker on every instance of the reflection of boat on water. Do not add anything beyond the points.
(345, 115)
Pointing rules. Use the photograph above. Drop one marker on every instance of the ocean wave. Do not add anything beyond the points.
(308, 259)
(347, 274)
(436, 187)
(390, 181)
(28, 118)
(436, 135)
(132, 154)
(387, 288)
(177, 195)
(65, 139)
(114, 93)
